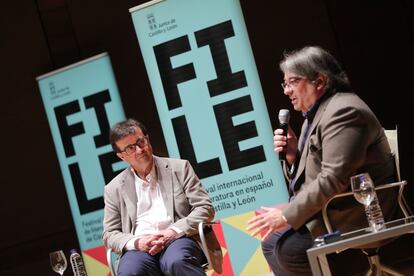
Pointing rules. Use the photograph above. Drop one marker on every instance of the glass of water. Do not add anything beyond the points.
(58, 261)
(363, 188)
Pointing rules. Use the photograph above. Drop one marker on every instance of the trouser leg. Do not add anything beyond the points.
(182, 257)
(139, 263)
(285, 252)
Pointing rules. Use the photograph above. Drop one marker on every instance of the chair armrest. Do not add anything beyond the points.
(400, 184)
(109, 260)
(202, 234)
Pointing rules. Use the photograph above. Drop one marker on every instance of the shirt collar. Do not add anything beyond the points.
(312, 111)
(310, 114)
(151, 178)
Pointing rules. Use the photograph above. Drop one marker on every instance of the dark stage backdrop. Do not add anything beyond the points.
(373, 40)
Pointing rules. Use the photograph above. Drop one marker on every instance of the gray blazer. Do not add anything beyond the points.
(186, 201)
(345, 139)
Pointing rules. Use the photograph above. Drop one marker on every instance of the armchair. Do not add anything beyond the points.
(376, 268)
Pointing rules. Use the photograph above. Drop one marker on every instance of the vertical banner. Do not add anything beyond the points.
(212, 110)
(82, 102)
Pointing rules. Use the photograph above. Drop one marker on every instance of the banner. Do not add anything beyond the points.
(213, 113)
(81, 103)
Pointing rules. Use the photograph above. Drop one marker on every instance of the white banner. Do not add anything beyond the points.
(82, 102)
(213, 113)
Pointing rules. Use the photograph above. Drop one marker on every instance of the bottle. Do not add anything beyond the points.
(374, 215)
(77, 263)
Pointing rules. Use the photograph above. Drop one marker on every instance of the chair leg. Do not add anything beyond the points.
(377, 269)
(390, 271)
(374, 266)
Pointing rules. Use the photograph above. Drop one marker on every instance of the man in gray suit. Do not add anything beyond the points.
(340, 137)
(153, 208)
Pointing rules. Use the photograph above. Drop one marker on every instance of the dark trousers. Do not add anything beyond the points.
(285, 252)
(182, 257)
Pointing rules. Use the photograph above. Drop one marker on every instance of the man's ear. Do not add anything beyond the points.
(120, 155)
(321, 81)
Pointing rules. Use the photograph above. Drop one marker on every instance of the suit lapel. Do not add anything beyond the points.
(305, 151)
(165, 180)
(130, 195)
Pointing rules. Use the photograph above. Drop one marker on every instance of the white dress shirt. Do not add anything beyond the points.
(152, 215)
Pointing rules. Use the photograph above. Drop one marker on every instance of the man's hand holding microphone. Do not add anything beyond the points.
(284, 139)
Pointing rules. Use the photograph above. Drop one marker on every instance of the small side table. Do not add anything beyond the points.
(317, 255)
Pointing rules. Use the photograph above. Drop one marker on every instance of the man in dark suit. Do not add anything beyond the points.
(340, 137)
(153, 208)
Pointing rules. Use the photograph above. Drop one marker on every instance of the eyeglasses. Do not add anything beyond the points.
(131, 148)
(292, 82)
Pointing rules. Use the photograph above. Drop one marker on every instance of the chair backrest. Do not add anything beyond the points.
(392, 137)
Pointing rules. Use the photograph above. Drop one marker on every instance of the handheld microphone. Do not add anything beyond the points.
(284, 117)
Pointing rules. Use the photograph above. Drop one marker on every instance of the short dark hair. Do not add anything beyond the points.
(123, 129)
(309, 61)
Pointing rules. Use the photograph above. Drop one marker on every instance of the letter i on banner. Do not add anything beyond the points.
(213, 113)
(81, 103)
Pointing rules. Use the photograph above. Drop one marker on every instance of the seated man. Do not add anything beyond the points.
(340, 137)
(153, 208)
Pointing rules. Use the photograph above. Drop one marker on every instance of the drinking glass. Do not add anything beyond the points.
(363, 188)
(364, 192)
(58, 261)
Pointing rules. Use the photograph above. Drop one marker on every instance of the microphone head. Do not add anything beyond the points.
(284, 116)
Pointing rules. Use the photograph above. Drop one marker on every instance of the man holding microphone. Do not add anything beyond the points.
(340, 137)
